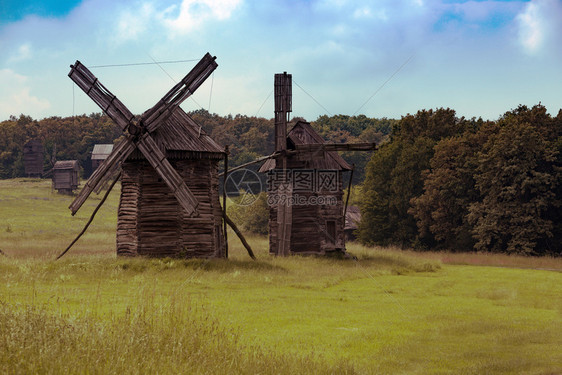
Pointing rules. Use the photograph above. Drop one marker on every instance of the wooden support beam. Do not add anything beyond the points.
(91, 217)
(275, 154)
(312, 147)
(224, 200)
(348, 192)
(240, 236)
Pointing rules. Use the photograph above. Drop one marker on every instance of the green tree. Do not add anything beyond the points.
(395, 176)
(254, 217)
(449, 189)
(516, 178)
(378, 213)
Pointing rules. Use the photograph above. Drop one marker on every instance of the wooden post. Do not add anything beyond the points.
(284, 218)
(348, 192)
(283, 107)
(224, 200)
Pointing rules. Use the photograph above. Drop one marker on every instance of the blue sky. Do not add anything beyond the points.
(481, 58)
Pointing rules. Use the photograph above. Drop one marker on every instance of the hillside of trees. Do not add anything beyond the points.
(437, 181)
(248, 137)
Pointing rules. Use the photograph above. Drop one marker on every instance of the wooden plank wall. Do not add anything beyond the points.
(158, 216)
(309, 231)
(152, 223)
(202, 236)
(127, 217)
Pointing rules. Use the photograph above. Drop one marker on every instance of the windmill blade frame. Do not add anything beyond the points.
(108, 102)
(104, 172)
(140, 132)
(148, 147)
(159, 113)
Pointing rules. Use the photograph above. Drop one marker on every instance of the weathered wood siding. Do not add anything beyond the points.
(310, 234)
(127, 215)
(65, 176)
(152, 223)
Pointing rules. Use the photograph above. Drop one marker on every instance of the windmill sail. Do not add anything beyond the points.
(108, 102)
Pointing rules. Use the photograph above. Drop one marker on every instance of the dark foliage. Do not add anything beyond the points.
(248, 137)
(456, 184)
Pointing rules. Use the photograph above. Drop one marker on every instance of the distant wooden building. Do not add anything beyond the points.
(65, 176)
(316, 222)
(99, 154)
(352, 219)
(33, 158)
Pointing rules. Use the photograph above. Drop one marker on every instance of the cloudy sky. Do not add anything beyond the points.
(382, 58)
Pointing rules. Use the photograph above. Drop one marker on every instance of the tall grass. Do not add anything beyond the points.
(147, 338)
(387, 312)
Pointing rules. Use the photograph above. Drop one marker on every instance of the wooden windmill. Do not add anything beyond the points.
(33, 158)
(169, 203)
(305, 190)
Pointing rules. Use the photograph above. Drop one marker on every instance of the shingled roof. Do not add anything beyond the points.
(66, 164)
(303, 133)
(181, 133)
(101, 151)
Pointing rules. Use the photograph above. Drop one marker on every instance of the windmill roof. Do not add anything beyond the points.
(181, 133)
(101, 151)
(303, 133)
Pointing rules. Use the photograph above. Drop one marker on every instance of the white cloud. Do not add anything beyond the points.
(531, 32)
(15, 97)
(23, 53)
(540, 24)
(362, 12)
(193, 13)
(367, 12)
(131, 24)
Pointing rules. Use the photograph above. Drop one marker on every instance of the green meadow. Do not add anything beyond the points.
(388, 312)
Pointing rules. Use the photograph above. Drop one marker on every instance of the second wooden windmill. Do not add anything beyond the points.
(169, 202)
(305, 190)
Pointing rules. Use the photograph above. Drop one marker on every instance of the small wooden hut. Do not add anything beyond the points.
(33, 158)
(99, 154)
(150, 220)
(65, 176)
(352, 219)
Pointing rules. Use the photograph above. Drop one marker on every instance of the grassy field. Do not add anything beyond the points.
(388, 312)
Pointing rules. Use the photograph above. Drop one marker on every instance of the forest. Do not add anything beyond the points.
(444, 182)
(437, 182)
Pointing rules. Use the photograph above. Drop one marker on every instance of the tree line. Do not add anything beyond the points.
(444, 182)
(437, 181)
(248, 137)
